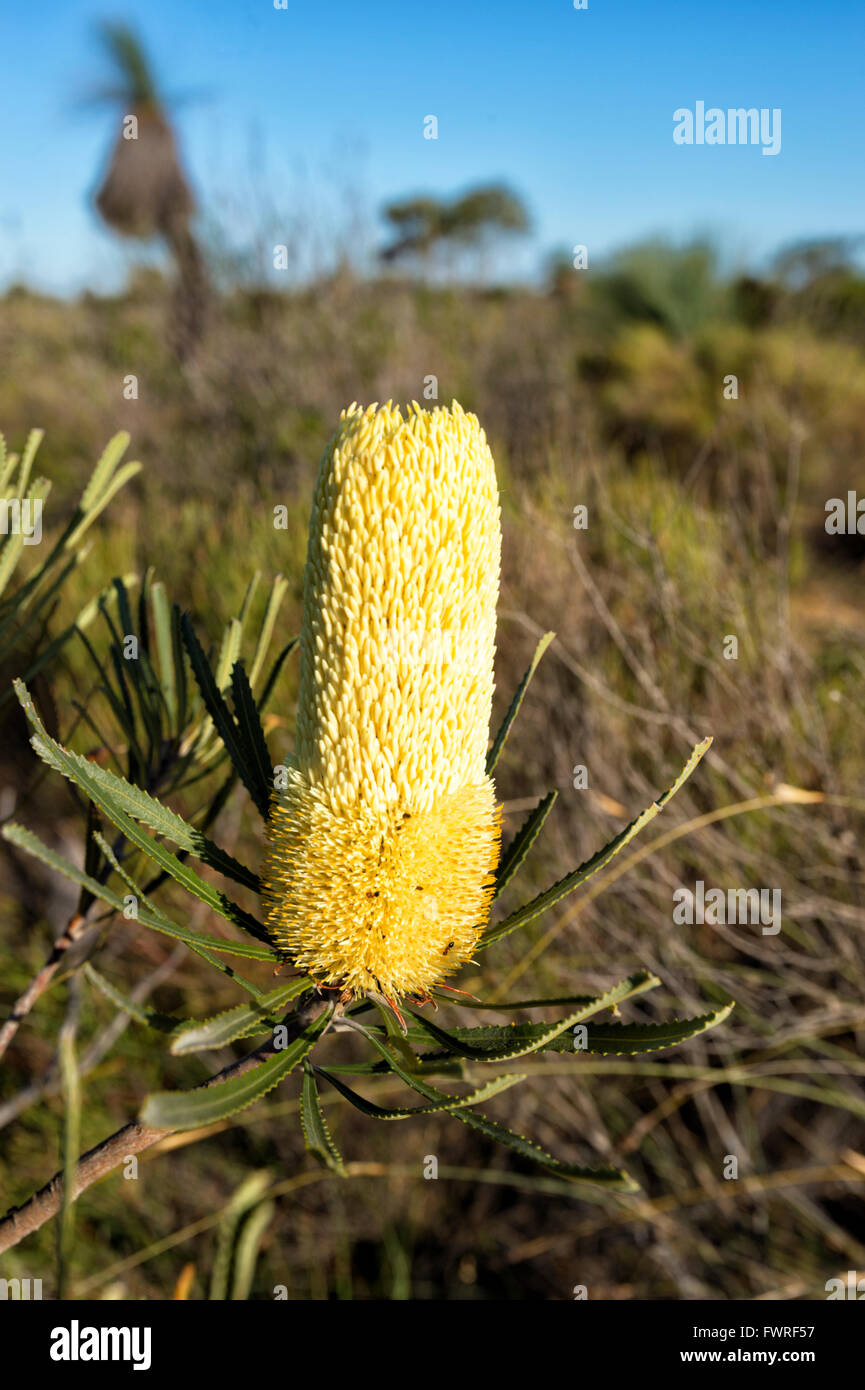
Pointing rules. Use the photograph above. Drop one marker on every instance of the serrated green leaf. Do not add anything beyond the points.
(120, 479)
(145, 809)
(520, 1039)
(315, 1130)
(242, 1021)
(108, 461)
(566, 885)
(157, 920)
(523, 841)
(273, 674)
(443, 1103)
(614, 1178)
(501, 737)
(174, 1110)
(215, 703)
(508, 1005)
(160, 1023)
(622, 1039)
(611, 1178)
(109, 792)
(251, 734)
(612, 1038)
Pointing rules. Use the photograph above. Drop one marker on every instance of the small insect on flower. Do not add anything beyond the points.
(383, 847)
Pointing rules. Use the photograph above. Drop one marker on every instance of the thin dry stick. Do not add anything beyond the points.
(131, 1139)
(48, 1083)
(77, 927)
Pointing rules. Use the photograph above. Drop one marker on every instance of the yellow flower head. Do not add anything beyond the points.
(382, 849)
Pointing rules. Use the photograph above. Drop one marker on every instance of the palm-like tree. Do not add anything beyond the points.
(421, 225)
(145, 192)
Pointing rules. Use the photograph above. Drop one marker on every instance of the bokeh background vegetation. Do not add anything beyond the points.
(604, 388)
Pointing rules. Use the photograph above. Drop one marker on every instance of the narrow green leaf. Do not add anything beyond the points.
(566, 885)
(501, 737)
(108, 461)
(278, 591)
(247, 1196)
(274, 673)
(13, 544)
(216, 706)
(165, 652)
(71, 1082)
(34, 439)
(523, 841)
(238, 1022)
(506, 1006)
(444, 1102)
(315, 1129)
(519, 1040)
(620, 1039)
(615, 1179)
(188, 1109)
(161, 1023)
(613, 1038)
(255, 752)
(148, 917)
(120, 479)
(248, 1245)
(109, 792)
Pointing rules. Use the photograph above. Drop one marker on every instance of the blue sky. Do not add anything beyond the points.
(573, 108)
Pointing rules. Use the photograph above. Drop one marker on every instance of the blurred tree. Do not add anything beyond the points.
(805, 261)
(422, 225)
(144, 192)
(678, 288)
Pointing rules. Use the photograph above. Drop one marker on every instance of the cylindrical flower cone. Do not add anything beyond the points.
(382, 847)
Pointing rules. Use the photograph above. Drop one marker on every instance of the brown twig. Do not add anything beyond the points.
(77, 927)
(48, 1083)
(133, 1138)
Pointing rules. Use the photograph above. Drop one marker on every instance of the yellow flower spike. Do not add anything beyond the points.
(383, 847)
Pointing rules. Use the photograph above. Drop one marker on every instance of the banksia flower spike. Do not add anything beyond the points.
(383, 846)
(383, 835)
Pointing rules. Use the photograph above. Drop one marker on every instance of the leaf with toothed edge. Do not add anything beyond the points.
(319, 1140)
(106, 790)
(615, 1179)
(175, 1110)
(523, 841)
(612, 1178)
(148, 917)
(566, 885)
(619, 1039)
(519, 1043)
(443, 1103)
(242, 1021)
(501, 737)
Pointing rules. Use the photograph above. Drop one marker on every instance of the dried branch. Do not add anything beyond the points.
(133, 1138)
